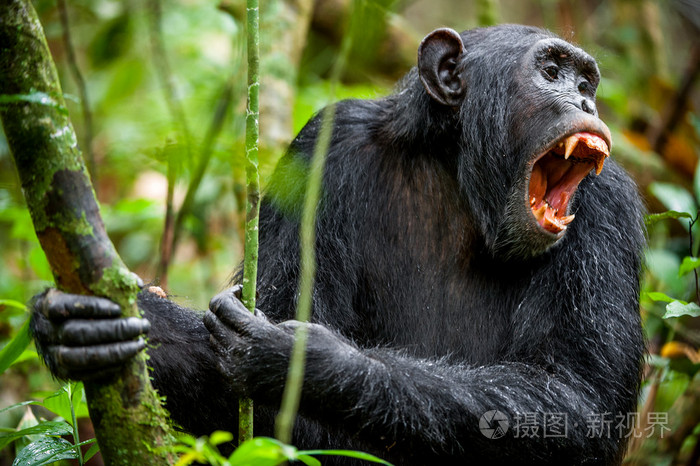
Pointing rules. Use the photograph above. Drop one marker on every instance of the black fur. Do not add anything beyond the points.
(436, 301)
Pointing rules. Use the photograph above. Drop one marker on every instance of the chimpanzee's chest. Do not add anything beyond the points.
(450, 308)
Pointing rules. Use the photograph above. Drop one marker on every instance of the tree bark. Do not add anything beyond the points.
(130, 424)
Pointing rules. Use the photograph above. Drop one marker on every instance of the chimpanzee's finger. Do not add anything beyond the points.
(230, 310)
(237, 291)
(59, 306)
(78, 332)
(219, 330)
(96, 357)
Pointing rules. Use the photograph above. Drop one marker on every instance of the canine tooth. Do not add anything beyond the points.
(532, 200)
(566, 220)
(599, 161)
(570, 143)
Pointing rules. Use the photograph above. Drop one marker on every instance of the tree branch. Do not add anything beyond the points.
(130, 424)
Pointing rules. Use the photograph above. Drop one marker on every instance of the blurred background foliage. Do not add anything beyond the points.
(156, 91)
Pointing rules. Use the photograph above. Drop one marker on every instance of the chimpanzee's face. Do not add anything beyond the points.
(555, 123)
(530, 131)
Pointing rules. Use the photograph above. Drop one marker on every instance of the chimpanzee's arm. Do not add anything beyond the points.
(422, 409)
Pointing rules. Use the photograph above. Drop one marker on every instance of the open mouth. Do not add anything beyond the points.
(557, 173)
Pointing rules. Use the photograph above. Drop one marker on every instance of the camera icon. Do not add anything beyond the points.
(494, 424)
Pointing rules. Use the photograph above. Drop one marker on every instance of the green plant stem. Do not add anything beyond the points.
(295, 376)
(252, 136)
(76, 434)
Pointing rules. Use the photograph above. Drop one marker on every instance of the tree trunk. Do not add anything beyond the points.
(130, 425)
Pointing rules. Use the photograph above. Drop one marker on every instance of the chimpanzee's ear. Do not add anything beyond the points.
(438, 55)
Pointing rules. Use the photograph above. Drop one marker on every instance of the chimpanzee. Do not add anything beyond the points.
(477, 275)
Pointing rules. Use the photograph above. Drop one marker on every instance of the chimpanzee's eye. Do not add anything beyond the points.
(552, 72)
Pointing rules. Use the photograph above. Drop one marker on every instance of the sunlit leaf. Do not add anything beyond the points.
(262, 451)
(219, 437)
(679, 309)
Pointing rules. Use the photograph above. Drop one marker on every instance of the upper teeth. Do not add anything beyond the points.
(592, 141)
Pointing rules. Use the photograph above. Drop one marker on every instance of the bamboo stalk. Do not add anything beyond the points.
(252, 136)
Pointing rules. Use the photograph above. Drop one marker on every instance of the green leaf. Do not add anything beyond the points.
(262, 451)
(679, 309)
(45, 450)
(79, 401)
(13, 303)
(15, 347)
(308, 460)
(349, 453)
(219, 437)
(28, 420)
(27, 355)
(24, 403)
(688, 264)
(92, 451)
(55, 428)
(658, 296)
(653, 218)
(674, 197)
(60, 404)
(265, 451)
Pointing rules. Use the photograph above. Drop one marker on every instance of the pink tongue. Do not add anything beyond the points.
(559, 195)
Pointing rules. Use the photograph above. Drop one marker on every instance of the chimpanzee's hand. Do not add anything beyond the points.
(83, 337)
(253, 352)
(246, 344)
